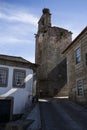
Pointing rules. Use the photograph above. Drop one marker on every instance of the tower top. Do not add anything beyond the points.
(46, 11)
(45, 20)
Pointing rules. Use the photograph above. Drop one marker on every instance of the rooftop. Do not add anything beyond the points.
(14, 58)
(83, 31)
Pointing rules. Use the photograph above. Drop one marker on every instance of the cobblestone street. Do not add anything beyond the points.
(61, 114)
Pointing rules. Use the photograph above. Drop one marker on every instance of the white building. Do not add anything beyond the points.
(16, 85)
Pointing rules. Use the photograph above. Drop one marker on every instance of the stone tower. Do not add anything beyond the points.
(52, 70)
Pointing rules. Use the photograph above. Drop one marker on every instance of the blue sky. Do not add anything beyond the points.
(19, 18)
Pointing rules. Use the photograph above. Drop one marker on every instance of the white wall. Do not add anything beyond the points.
(22, 96)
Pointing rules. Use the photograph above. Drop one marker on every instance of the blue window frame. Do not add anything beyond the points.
(80, 87)
(78, 55)
(3, 77)
(18, 78)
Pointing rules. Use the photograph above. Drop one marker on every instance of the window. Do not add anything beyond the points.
(18, 78)
(3, 77)
(86, 58)
(78, 55)
(80, 87)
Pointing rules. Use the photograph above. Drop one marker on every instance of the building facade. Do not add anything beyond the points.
(16, 85)
(52, 70)
(76, 54)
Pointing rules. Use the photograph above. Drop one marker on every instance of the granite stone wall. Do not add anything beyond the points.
(50, 42)
(77, 71)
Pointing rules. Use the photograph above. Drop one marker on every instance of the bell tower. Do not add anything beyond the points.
(43, 26)
(50, 43)
(45, 20)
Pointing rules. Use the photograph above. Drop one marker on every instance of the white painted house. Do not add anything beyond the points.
(16, 84)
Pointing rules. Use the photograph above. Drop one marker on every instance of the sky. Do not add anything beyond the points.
(19, 22)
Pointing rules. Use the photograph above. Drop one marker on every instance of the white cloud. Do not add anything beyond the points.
(14, 40)
(16, 13)
(17, 28)
(17, 25)
(20, 17)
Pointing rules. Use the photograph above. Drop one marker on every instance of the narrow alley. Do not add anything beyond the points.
(61, 114)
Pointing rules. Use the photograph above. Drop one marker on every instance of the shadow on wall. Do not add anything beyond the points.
(56, 81)
(59, 76)
(59, 72)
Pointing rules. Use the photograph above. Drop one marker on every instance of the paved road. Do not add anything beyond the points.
(61, 114)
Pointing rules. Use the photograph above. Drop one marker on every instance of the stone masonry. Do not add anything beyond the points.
(52, 70)
(77, 72)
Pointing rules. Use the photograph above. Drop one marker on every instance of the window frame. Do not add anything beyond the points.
(6, 80)
(86, 58)
(14, 73)
(78, 55)
(80, 88)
